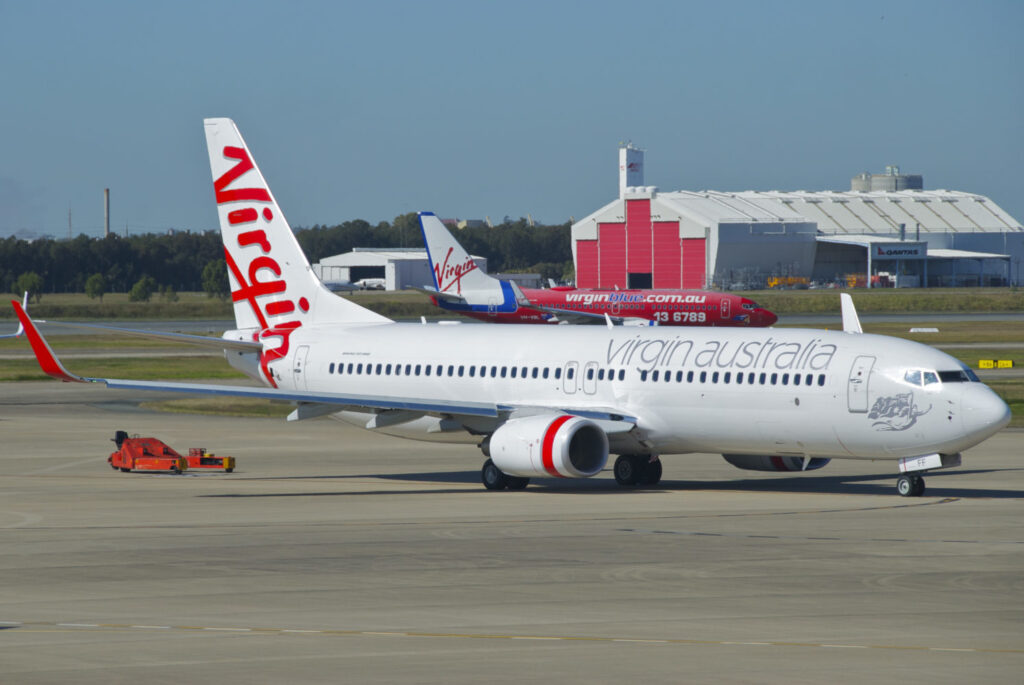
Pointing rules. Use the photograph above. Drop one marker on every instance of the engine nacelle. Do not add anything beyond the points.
(549, 445)
(764, 462)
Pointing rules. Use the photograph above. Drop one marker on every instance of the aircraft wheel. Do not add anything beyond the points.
(492, 477)
(906, 487)
(625, 470)
(918, 486)
(516, 482)
(652, 473)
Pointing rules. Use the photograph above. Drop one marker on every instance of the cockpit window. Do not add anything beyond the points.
(961, 376)
(749, 305)
(921, 377)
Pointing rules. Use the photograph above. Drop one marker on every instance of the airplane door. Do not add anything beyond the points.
(725, 308)
(299, 365)
(569, 374)
(857, 390)
(492, 306)
(590, 378)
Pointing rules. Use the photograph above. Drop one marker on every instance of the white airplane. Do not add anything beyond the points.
(556, 401)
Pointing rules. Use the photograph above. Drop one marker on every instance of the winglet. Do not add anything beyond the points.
(21, 326)
(48, 361)
(851, 322)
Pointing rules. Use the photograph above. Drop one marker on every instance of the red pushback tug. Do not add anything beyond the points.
(151, 454)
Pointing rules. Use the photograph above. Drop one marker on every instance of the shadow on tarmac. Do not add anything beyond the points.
(606, 486)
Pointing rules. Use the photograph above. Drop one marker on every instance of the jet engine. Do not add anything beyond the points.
(548, 445)
(764, 462)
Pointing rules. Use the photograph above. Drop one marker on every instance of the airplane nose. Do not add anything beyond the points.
(766, 317)
(984, 412)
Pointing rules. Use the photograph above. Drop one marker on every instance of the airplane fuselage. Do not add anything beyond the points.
(663, 307)
(793, 392)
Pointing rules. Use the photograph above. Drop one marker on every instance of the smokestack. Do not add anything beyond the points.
(631, 167)
(106, 212)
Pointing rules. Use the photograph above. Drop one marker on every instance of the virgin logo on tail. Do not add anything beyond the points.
(249, 239)
(449, 275)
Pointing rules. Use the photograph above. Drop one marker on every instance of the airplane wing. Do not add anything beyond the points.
(448, 297)
(203, 340)
(577, 317)
(52, 366)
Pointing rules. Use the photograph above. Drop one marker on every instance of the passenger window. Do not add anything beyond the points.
(622, 374)
(654, 375)
(809, 379)
(727, 377)
(643, 375)
(796, 379)
(785, 379)
(426, 370)
(739, 378)
(378, 369)
(514, 369)
(535, 372)
(387, 370)
(504, 370)
(350, 368)
(703, 376)
(679, 376)
(494, 372)
(714, 377)
(417, 369)
(762, 378)
(472, 371)
(545, 371)
(558, 373)
(689, 376)
(408, 369)
(600, 374)
(461, 369)
(913, 376)
(571, 373)
(821, 379)
(398, 369)
(330, 369)
(359, 369)
(775, 378)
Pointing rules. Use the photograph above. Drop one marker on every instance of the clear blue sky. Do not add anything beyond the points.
(372, 109)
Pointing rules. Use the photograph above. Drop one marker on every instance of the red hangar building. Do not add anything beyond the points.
(890, 229)
(649, 239)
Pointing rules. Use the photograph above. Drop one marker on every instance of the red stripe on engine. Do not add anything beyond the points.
(549, 440)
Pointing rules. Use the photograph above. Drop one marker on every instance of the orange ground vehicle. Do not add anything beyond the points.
(151, 454)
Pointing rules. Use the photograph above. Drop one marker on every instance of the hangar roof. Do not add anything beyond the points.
(883, 211)
(834, 212)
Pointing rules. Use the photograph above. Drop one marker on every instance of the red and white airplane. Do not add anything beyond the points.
(556, 401)
(461, 287)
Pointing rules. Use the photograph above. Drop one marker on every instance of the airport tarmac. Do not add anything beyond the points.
(333, 555)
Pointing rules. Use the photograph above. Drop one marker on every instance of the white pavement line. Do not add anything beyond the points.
(951, 649)
(301, 631)
(78, 625)
(153, 627)
(67, 465)
(231, 630)
(845, 646)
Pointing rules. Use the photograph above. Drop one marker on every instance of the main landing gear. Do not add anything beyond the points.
(910, 486)
(494, 478)
(637, 469)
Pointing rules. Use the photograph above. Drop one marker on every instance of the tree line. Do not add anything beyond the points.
(184, 261)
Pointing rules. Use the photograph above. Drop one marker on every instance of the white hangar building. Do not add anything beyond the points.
(399, 267)
(682, 239)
